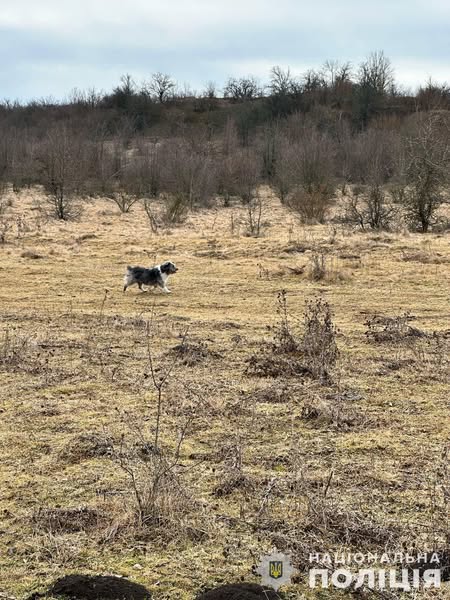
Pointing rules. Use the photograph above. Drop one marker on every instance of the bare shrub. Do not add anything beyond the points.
(62, 163)
(189, 174)
(428, 156)
(370, 208)
(163, 505)
(285, 176)
(318, 269)
(124, 200)
(5, 218)
(150, 171)
(311, 202)
(312, 176)
(5, 227)
(255, 213)
(431, 354)
(372, 157)
(176, 208)
(151, 215)
(319, 339)
(121, 176)
(232, 475)
(311, 351)
(323, 267)
(241, 174)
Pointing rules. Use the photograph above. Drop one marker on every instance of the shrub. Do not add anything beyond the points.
(319, 339)
(428, 155)
(311, 352)
(370, 208)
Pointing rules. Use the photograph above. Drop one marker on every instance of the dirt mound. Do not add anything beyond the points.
(97, 587)
(69, 520)
(192, 353)
(381, 328)
(269, 365)
(85, 446)
(240, 591)
(275, 394)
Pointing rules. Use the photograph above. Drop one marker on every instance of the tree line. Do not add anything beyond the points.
(333, 128)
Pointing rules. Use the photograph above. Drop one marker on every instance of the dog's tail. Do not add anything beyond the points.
(128, 278)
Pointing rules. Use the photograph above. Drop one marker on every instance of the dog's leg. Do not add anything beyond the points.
(166, 290)
(125, 288)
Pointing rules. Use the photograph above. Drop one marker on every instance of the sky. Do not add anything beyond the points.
(50, 47)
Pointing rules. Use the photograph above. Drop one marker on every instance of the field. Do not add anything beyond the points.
(253, 457)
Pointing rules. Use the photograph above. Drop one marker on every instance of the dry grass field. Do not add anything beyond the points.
(245, 460)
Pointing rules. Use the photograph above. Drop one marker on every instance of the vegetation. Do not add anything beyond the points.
(303, 136)
(289, 393)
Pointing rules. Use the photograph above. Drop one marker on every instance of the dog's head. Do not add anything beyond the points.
(168, 267)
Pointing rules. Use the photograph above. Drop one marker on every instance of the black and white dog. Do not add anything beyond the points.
(156, 276)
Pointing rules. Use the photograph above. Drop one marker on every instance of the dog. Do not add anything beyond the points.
(155, 277)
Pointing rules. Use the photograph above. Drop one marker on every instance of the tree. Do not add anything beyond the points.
(160, 86)
(210, 90)
(243, 89)
(311, 176)
(338, 77)
(284, 89)
(434, 96)
(282, 83)
(62, 172)
(375, 81)
(376, 73)
(370, 208)
(428, 161)
(123, 93)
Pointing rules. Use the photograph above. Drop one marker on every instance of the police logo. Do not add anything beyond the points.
(275, 569)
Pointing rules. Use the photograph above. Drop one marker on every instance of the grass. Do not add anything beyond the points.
(74, 376)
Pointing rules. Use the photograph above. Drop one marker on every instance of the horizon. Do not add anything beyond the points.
(185, 90)
(49, 50)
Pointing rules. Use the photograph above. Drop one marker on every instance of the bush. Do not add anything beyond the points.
(428, 156)
(370, 208)
(312, 202)
(311, 352)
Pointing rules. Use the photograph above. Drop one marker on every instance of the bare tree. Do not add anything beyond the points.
(160, 86)
(242, 89)
(428, 154)
(255, 213)
(313, 81)
(210, 90)
(376, 73)
(434, 96)
(375, 80)
(337, 75)
(62, 172)
(282, 83)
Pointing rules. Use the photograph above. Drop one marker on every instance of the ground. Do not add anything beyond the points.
(285, 461)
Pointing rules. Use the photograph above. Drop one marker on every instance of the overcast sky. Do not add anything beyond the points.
(49, 47)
